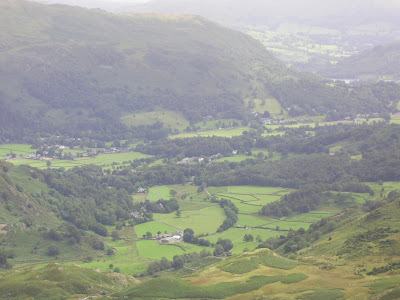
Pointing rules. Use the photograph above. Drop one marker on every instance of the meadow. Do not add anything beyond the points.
(159, 193)
(271, 105)
(107, 161)
(18, 149)
(202, 221)
(216, 132)
(152, 227)
(170, 119)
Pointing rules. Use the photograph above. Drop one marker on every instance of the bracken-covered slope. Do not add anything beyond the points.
(73, 70)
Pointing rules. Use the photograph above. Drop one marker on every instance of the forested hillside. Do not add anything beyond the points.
(77, 71)
(381, 62)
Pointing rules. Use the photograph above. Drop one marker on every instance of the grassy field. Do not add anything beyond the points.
(19, 149)
(396, 120)
(236, 158)
(171, 119)
(237, 235)
(216, 132)
(103, 160)
(152, 227)
(271, 105)
(159, 192)
(149, 249)
(215, 124)
(202, 221)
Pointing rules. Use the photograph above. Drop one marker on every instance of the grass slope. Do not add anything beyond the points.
(57, 281)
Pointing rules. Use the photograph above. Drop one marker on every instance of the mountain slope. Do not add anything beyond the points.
(96, 65)
(77, 71)
(382, 62)
(263, 12)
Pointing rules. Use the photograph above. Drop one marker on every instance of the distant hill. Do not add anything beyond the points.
(257, 12)
(382, 62)
(78, 71)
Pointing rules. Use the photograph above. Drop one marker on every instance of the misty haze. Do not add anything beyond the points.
(187, 149)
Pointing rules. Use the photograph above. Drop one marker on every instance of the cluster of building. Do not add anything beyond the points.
(169, 237)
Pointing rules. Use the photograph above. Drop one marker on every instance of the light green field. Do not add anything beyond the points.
(104, 160)
(159, 192)
(311, 217)
(202, 221)
(216, 132)
(396, 120)
(256, 190)
(19, 149)
(249, 199)
(271, 105)
(387, 186)
(287, 225)
(370, 121)
(209, 125)
(251, 220)
(236, 158)
(171, 119)
(237, 235)
(151, 249)
(152, 227)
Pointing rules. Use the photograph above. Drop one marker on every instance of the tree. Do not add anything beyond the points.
(226, 244)
(219, 250)
(53, 251)
(178, 213)
(178, 262)
(3, 257)
(248, 238)
(205, 253)
(149, 234)
(115, 235)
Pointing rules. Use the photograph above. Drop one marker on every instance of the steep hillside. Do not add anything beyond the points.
(78, 71)
(60, 282)
(72, 67)
(382, 62)
(265, 12)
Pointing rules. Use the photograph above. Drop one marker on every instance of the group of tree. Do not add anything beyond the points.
(190, 237)
(178, 262)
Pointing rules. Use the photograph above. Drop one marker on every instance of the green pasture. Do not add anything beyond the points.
(103, 160)
(215, 124)
(257, 190)
(170, 119)
(271, 105)
(236, 158)
(125, 257)
(216, 132)
(396, 120)
(251, 220)
(152, 227)
(151, 249)
(202, 221)
(249, 199)
(18, 149)
(159, 192)
(237, 235)
(191, 205)
(385, 188)
(311, 217)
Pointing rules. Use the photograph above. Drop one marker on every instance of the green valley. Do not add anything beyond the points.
(164, 156)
